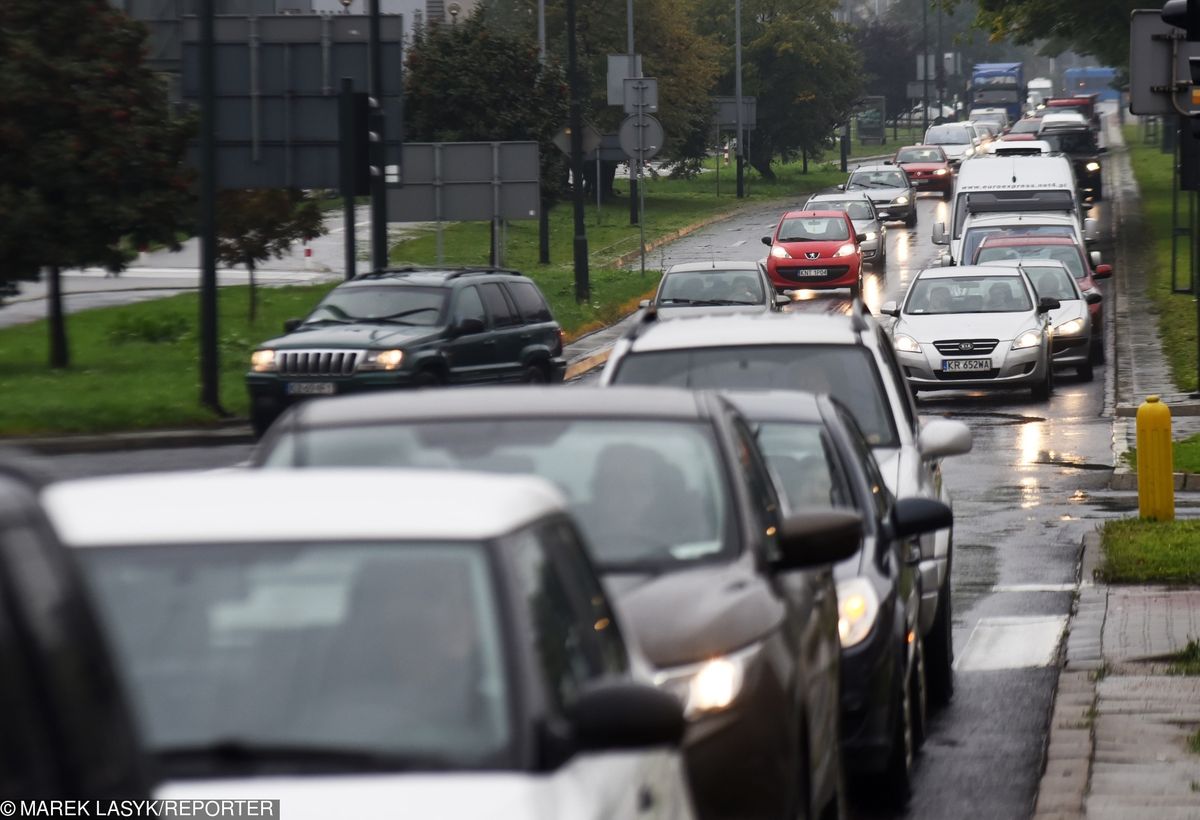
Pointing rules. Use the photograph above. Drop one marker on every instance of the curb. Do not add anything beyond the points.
(587, 364)
(1128, 480)
(236, 433)
(1070, 743)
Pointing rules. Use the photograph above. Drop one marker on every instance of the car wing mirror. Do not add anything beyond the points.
(766, 240)
(626, 715)
(917, 516)
(817, 537)
(939, 234)
(782, 299)
(645, 303)
(860, 237)
(1047, 304)
(1102, 272)
(1094, 257)
(890, 308)
(291, 325)
(468, 326)
(940, 438)
(1093, 298)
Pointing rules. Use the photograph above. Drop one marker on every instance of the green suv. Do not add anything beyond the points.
(409, 327)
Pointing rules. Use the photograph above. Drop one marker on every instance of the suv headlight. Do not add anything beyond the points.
(1070, 328)
(382, 360)
(779, 253)
(1093, 166)
(858, 606)
(263, 361)
(710, 686)
(900, 200)
(1030, 338)
(906, 344)
(845, 250)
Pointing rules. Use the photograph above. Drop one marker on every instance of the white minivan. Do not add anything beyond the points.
(1011, 184)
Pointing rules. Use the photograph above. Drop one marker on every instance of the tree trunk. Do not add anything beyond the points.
(253, 292)
(804, 158)
(60, 355)
(761, 153)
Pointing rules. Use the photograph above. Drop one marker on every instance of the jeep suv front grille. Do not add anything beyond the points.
(318, 362)
(966, 347)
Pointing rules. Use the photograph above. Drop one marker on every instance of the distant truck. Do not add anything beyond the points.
(999, 85)
(1038, 91)
(1082, 82)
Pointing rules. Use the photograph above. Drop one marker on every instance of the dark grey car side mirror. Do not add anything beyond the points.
(766, 240)
(626, 715)
(917, 516)
(817, 537)
(291, 325)
(1093, 298)
(1047, 304)
(466, 327)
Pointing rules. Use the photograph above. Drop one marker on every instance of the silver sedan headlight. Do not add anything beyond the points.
(1030, 338)
(906, 344)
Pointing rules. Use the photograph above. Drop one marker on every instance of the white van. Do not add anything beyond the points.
(1010, 184)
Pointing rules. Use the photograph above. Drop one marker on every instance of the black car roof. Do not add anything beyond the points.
(428, 276)
(503, 403)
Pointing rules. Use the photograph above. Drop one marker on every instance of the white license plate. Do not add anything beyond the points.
(311, 389)
(810, 273)
(959, 365)
(920, 181)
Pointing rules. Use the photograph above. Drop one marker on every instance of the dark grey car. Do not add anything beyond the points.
(889, 189)
(715, 287)
(683, 521)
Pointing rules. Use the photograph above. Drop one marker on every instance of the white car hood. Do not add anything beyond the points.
(393, 797)
(1002, 326)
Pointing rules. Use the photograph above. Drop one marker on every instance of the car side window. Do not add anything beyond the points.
(498, 306)
(469, 306)
(897, 379)
(556, 630)
(764, 500)
(529, 302)
(580, 575)
(881, 496)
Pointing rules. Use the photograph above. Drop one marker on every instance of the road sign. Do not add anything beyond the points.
(618, 72)
(651, 140)
(641, 95)
(591, 140)
(726, 115)
(1159, 66)
(468, 181)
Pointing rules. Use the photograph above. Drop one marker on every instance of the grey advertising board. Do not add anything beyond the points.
(1151, 42)
(468, 182)
(277, 94)
(726, 112)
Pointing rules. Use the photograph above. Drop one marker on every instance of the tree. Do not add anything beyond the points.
(798, 61)
(256, 225)
(1100, 29)
(468, 82)
(889, 53)
(90, 152)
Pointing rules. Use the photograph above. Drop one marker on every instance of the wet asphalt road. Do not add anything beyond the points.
(1023, 499)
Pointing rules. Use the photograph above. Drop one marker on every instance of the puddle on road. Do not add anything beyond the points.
(1056, 459)
(989, 418)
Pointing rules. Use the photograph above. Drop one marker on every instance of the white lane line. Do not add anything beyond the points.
(1012, 643)
(738, 244)
(1035, 588)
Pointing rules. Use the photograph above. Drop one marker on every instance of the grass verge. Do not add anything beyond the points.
(1187, 662)
(1176, 313)
(1185, 454)
(1194, 745)
(1137, 551)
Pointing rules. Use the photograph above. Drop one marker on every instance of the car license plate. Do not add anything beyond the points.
(811, 273)
(920, 181)
(311, 389)
(960, 365)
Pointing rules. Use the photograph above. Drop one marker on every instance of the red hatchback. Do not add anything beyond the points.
(928, 168)
(1061, 249)
(815, 249)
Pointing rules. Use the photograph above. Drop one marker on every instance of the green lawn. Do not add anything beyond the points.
(1137, 551)
(1187, 662)
(1185, 454)
(1176, 314)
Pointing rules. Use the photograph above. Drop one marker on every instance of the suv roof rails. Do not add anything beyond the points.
(451, 271)
(649, 317)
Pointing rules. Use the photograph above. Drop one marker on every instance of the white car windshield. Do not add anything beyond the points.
(813, 229)
(948, 135)
(858, 209)
(707, 287)
(967, 294)
(310, 656)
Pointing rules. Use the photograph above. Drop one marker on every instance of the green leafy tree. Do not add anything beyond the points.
(1100, 29)
(259, 224)
(90, 152)
(470, 82)
(889, 53)
(800, 64)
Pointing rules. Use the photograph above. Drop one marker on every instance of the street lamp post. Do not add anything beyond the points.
(925, 68)
(737, 94)
(582, 287)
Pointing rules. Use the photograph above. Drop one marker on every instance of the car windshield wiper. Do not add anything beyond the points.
(796, 239)
(325, 319)
(237, 753)
(712, 302)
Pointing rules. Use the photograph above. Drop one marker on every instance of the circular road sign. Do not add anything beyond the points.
(651, 136)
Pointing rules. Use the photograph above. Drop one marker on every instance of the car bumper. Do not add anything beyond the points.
(891, 213)
(738, 760)
(1010, 368)
(868, 688)
(943, 184)
(1070, 350)
(787, 274)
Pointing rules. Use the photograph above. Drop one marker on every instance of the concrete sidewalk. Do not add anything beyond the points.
(1118, 743)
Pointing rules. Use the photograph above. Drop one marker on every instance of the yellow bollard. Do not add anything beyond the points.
(1155, 468)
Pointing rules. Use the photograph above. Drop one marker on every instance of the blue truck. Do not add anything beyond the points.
(999, 85)
(1080, 82)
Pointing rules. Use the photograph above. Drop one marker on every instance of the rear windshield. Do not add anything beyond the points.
(876, 179)
(708, 287)
(967, 294)
(921, 155)
(847, 372)
(1071, 142)
(802, 459)
(1029, 126)
(947, 135)
(813, 229)
(856, 208)
(1052, 282)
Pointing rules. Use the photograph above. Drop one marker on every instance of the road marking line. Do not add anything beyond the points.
(1035, 588)
(738, 244)
(1012, 643)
